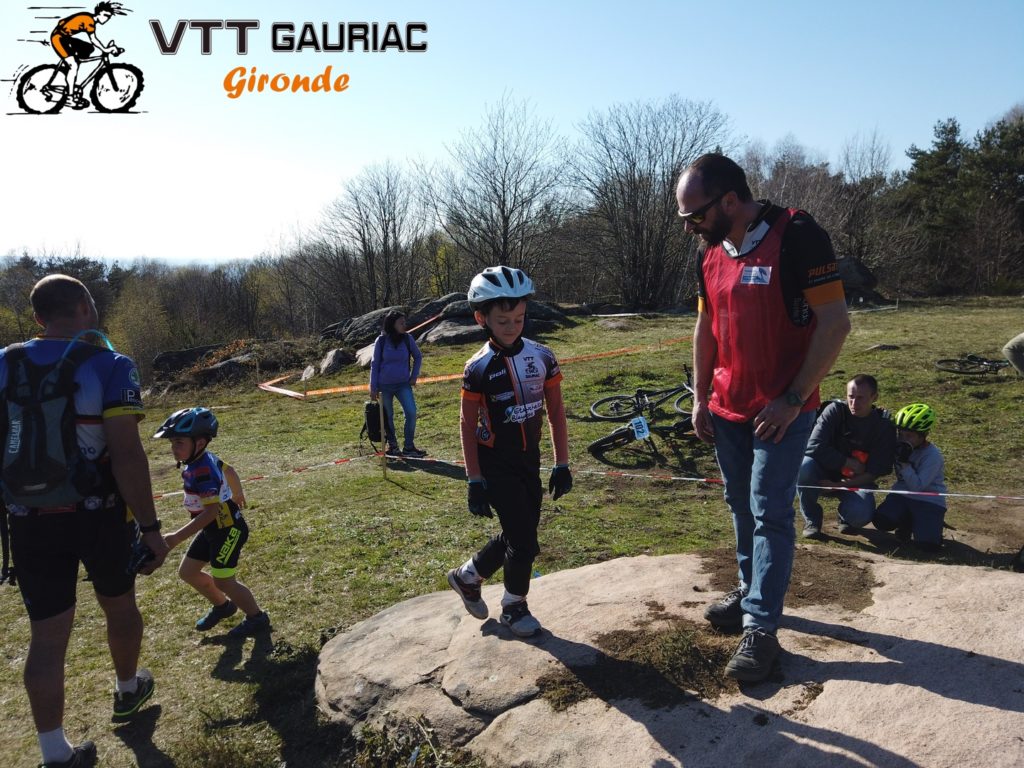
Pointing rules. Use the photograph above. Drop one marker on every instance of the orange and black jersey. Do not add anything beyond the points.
(509, 386)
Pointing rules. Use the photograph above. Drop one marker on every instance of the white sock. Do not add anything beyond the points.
(55, 746)
(128, 686)
(467, 572)
(509, 599)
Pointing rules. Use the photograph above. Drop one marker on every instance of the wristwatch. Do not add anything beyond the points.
(154, 526)
(792, 398)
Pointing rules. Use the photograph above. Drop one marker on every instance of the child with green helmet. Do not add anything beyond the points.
(218, 530)
(919, 468)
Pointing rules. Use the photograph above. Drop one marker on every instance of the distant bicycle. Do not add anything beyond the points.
(974, 364)
(644, 401)
(115, 87)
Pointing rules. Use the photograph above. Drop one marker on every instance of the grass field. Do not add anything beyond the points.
(331, 546)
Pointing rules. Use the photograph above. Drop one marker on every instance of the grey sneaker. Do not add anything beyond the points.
(754, 658)
(470, 594)
(726, 615)
(518, 618)
(127, 704)
(251, 626)
(215, 615)
(813, 531)
(84, 756)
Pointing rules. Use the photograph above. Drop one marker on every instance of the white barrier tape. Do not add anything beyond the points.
(616, 473)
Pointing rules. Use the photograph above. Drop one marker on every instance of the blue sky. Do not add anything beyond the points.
(196, 176)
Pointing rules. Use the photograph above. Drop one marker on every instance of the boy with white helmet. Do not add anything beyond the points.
(919, 467)
(505, 389)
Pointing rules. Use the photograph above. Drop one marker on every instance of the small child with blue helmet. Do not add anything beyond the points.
(213, 497)
(919, 468)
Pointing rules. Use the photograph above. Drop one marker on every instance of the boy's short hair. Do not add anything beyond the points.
(504, 303)
(57, 296)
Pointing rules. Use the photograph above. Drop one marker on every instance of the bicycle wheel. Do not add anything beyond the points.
(31, 96)
(685, 399)
(118, 88)
(961, 365)
(620, 437)
(615, 408)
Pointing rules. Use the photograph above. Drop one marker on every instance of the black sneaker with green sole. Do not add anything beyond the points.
(127, 704)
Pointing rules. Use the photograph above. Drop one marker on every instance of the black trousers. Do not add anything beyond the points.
(514, 491)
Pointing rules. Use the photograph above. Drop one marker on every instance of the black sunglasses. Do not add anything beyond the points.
(698, 216)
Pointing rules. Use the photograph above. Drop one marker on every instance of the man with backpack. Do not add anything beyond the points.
(73, 465)
(852, 445)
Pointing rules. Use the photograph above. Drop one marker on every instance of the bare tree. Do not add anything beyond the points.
(376, 219)
(502, 197)
(626, 167)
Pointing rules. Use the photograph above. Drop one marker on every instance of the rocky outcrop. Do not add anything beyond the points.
(176, 360)
(928, 674)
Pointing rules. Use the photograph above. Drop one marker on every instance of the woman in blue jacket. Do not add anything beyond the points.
(391, 375)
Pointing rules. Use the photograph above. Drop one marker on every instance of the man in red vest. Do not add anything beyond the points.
(771, 319)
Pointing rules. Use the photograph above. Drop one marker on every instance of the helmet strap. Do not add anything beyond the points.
(514, 349)
(196, 453)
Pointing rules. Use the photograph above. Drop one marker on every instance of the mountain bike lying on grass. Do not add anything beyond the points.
(975, 364)
(115, 87)
(644, 401)
(640, 429)
(642, 410)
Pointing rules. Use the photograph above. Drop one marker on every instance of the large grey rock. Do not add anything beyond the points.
(365, 328)
(428, 309)
(174, 361)
(335, 360)
(232, 369)
(930, 674)
(454, 331)
(364, 356)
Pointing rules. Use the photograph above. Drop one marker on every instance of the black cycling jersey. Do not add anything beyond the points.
(509, 387)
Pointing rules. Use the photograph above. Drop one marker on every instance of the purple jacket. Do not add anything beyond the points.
(390, 364)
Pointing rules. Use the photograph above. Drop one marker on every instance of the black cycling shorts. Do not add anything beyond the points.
(48, 548)
(220, 547)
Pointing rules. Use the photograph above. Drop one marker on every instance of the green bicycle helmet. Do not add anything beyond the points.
(917, 417)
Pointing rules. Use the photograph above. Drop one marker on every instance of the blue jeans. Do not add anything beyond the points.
(405, 398)
(855, 507)
(923, 518)
(760, 484)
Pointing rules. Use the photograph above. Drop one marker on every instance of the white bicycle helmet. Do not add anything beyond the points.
(499, 283)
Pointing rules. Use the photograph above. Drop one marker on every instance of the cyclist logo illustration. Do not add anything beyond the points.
(112, 87)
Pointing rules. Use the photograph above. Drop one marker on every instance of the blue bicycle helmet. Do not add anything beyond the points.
(189, 422)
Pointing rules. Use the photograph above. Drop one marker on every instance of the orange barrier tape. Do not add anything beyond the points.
(269, 385)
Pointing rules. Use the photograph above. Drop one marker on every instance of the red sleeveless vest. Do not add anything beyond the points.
(760, 350)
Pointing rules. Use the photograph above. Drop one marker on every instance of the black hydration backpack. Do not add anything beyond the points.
(371, 421)
(42, 465)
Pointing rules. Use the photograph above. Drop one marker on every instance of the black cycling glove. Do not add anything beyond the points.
(903, 451)
(477, 501)
(560, 482)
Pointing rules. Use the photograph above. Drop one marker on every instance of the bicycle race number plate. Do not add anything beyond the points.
(640, 428)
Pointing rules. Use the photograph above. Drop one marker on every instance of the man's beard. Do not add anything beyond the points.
(719, 230)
